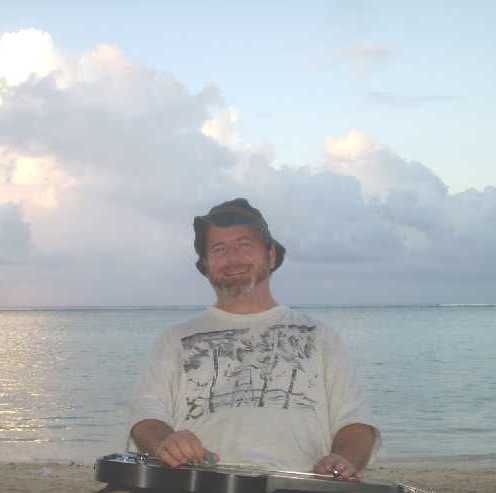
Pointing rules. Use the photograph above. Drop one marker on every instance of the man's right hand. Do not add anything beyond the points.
(181, 447)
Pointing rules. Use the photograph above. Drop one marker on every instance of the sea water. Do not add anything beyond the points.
(66, 375)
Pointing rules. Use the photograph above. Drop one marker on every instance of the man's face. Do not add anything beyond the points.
(237, 259)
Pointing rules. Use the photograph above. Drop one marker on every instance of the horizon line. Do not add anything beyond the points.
(203, 306)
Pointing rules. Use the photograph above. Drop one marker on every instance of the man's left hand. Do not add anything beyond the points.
(338, 467)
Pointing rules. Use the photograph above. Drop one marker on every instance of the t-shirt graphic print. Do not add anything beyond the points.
(269, 367)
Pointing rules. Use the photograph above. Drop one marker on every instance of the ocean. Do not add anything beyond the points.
(66, 374)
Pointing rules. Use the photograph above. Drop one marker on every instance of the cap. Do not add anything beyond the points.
(232, 213)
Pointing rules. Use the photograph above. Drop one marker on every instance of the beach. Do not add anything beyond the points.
(442, 477)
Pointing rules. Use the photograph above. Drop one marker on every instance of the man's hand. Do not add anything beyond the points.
(171, 447)
(337, 466)
(181, 447)
(350, 452)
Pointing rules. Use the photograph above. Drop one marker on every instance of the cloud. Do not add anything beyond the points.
(222, 128)
(350, 147)
(471, 215)
(118, 133)
(442, 235)
(109, 169)
(25, 53)
(404, 193)
(15, 241)
(401, 101)
(366, 57)
(34, 181)
(319, 216)
(369, 52)
(379, 170)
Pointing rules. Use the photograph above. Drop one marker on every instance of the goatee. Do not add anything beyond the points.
(242, 284)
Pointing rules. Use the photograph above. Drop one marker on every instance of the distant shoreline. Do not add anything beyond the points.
(202, 307)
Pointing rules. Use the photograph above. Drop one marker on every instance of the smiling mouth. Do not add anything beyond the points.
(237, 273)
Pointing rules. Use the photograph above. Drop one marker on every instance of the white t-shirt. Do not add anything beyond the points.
(269, 389)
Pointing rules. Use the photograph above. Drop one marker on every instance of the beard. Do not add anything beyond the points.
(237, 280)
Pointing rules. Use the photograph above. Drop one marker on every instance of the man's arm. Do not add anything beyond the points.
(171, 447)
(350, 452)
(149, 433)
(355, 443)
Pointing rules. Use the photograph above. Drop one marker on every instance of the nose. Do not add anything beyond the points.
(233, 252)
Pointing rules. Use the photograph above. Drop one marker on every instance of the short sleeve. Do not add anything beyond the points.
(346, 400)
(155, 393)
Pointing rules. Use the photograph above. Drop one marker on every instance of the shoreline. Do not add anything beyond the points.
(465, 462)
(436, 474)
(468, 461)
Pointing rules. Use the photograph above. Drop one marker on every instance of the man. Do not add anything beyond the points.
(249, 381)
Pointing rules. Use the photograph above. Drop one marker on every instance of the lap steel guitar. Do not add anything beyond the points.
(138, 472)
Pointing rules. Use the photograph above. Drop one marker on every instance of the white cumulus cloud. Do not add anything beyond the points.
(109, 169)
(379, 170)
(26, 53)
(222, 128)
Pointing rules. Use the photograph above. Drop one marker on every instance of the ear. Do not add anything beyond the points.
(272, 257)
(204, 265)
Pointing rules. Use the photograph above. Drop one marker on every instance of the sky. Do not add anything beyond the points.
(362, 130)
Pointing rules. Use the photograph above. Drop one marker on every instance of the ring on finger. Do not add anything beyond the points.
(334, 471)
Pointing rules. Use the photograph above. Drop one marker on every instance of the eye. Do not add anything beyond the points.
(246, 245)
(218, 250)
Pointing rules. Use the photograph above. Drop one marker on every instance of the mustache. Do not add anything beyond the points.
(236, 268)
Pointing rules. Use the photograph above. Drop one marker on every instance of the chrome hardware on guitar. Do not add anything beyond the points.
(138, 472)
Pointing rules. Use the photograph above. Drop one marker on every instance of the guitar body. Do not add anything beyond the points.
(138, 472)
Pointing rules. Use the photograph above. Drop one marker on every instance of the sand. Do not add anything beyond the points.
(463, 476)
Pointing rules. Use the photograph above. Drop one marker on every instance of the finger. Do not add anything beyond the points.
(326, 467)
(320, 468)
(174, 449)
(346, 471)
(335, 469)
(188, 447)
(211, 457)
(357, 476)
(168, 459)
(345, 475)
(198, 452)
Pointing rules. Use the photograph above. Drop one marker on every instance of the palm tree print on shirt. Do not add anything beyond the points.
(272, 367)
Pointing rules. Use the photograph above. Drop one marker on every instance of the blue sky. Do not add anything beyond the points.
(363, 130)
